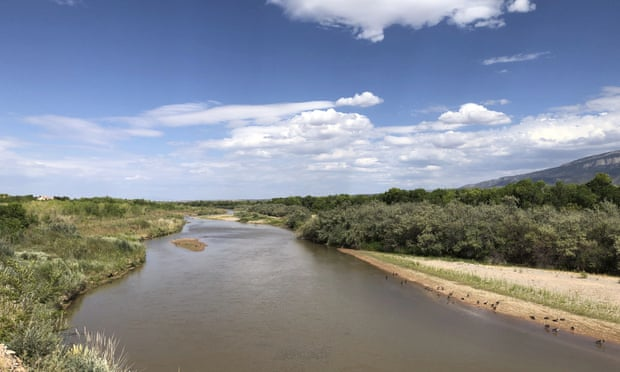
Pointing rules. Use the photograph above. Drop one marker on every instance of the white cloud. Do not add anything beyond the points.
(317, 152)
(366, 162)
(67, 2)
(368, 18)
(514, 58)
(189, 114)
(521, 6)
(87, 131)
(495, 102)
(310, 132)
(365, 99)
(490, 23)
(195, 114)
(472, 114)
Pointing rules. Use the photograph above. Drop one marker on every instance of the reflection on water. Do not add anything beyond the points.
(257, 299)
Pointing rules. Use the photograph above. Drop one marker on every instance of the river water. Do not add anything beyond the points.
(257, 299)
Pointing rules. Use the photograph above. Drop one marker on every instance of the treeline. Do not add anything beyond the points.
(527, 193)
(569, 227)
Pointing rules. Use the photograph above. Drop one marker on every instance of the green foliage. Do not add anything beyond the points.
(587, 240)
(5, 249)
(13, 221)
(50, 251)
(573, 227)
(35, 339)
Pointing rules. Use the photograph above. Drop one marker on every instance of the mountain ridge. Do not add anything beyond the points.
(577, 171)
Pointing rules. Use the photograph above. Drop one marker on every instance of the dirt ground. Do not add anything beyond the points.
(8, 361)
(595, 288)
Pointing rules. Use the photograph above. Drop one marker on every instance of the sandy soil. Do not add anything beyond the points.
(222, 217)
(194, 245)
(9, 362)
(596, 288)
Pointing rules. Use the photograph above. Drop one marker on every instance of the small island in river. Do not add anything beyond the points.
(194, 245)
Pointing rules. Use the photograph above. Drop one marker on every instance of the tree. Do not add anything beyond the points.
(602, 186)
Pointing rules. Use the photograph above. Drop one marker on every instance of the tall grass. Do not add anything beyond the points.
(96, 352)
(571, 303)
(66, 248)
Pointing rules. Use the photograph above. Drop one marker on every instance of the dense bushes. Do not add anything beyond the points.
(582, 240)
(13, 220)
(564, 226)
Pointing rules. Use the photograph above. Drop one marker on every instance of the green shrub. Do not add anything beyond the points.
(34, 339)
(5, 249)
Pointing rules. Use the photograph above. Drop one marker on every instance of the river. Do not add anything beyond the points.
(257, 299)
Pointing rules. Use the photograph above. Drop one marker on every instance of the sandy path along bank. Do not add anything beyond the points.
(595, 288)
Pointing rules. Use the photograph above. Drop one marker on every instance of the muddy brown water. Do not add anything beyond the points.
(257, 299)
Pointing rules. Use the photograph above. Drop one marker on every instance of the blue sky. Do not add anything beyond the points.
(189, 99)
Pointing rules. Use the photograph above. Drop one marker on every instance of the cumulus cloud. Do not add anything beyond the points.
(514, 58)
(472, 114)
(342, 149)
(535, 142)
(521, 6)
(365, 99)
(368, 19)
(311, 132)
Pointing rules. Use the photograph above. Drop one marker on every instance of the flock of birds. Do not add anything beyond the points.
(494, 305)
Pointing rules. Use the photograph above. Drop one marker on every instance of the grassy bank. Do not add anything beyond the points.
(53, 251)
(570, 303)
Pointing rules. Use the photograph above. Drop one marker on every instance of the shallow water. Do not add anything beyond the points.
(257, 299)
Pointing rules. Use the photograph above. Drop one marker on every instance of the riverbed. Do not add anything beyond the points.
(257, 299)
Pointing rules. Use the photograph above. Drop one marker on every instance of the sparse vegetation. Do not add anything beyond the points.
(570, 303)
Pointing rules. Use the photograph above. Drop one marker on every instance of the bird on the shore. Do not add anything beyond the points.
(572, 328)
(600, 342)
(555, 330)
(546, 318)
(547, 326)
(532, 317)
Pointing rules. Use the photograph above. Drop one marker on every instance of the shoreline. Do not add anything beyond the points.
(513, 307)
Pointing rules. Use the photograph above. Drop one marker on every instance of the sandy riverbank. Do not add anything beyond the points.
(221, 217)
(594, 288)
(191, 244)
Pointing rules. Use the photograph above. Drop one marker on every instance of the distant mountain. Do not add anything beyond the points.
(578, 171)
